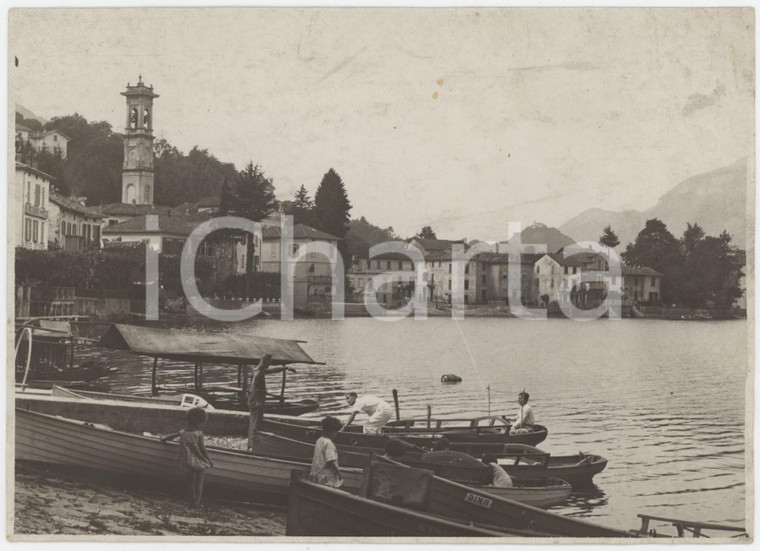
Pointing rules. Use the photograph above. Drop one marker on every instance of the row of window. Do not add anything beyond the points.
(39, 194)
(91, 232)
(34, 231)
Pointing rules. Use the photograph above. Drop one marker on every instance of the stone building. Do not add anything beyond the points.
(74, 226)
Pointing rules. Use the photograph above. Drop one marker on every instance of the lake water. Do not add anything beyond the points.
(663, 401)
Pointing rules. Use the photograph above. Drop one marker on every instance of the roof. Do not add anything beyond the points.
(194, 346)
(53, 131)
(210, 201)
(300, 231)
(22, 128)
(74, 205)
(640, 271)
(31, 170)
(171, 223)
(431, 245)
(116, 209)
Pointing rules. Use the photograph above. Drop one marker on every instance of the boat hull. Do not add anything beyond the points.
(469, 441)
(48, 439)
(315, 510)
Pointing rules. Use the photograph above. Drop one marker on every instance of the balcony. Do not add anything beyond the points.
(37, 212)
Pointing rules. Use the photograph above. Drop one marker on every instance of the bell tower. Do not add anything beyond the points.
(137, 172)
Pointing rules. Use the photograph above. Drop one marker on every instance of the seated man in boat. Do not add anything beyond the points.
(499, 476)
(524, 421)
(378, 410)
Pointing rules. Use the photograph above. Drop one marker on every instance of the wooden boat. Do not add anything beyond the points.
(522, 461)
(492, 429)
(441, 498)
(316, 510)
(82, 374)
(475, 439)
(273, 405)
(49, 439)
(541, 492)
(203, 348)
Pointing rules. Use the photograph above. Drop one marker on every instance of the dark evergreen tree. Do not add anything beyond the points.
(426, 233)
(331, 209)
(301, 208)
(691, 238)
(609, 238)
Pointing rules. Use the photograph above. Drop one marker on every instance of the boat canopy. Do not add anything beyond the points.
(202, 347)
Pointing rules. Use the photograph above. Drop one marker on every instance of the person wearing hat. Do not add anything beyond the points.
(378, 410)
(525, 420)
(324, 464)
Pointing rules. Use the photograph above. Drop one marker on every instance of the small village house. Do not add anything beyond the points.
(73, 226)
(31, 199)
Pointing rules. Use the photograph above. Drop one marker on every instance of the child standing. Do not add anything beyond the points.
(324, 464)
(193, 458)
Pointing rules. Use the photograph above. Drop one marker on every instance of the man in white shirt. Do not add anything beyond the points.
(525, 420)
(379, 411)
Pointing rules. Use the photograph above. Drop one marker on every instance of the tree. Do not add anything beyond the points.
(426, 233)
(331, 208)
(302, 206)
(609, 238)
(228, 198)
(656, 248)
(713, 269)
(691, 238)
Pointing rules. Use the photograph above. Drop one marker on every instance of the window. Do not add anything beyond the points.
(387, 264)
(467, 268)
(112, 221)
(27, 229)
(96, 234)
(295, 248)
(35, 231)
(653, 282)
(538, 269)
(55, 137)
(552, 280)
(449, 285)
(566, 269)
(400, 265)
(483, 280)
(466, 284)
(36, 195)
(575, 270)
(63, 228)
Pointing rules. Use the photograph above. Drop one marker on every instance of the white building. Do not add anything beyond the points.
(32, 195)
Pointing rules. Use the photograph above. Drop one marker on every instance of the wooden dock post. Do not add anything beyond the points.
(395, 403)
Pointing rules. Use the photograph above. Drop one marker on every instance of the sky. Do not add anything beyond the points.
(463, 120)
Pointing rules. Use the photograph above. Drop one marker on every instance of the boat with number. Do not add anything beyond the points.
(387, 482)
(540, 492)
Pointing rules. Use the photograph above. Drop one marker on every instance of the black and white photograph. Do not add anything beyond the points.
(380, 274)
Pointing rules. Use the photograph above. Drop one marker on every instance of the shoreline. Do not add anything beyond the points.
(57, 500)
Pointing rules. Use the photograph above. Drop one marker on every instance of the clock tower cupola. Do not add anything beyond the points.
(137, 172)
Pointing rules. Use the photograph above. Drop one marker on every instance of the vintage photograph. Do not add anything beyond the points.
(299, 274)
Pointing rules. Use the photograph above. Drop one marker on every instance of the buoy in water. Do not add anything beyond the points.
(451, 378)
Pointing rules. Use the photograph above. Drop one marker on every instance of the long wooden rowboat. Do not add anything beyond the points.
(316, 510)
(49, 439)
(449, 500)
(542, 492)
(83, 374)
(475, 442)
(487, 429)
(273, 405)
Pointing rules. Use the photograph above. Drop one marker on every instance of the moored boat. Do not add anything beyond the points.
(475, 440)
(541, 492)
(197, 349)
(316, 510)
(50, 439)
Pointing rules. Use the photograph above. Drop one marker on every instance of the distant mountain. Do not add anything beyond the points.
(553, 238)
(28, 114)
(716, 200)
